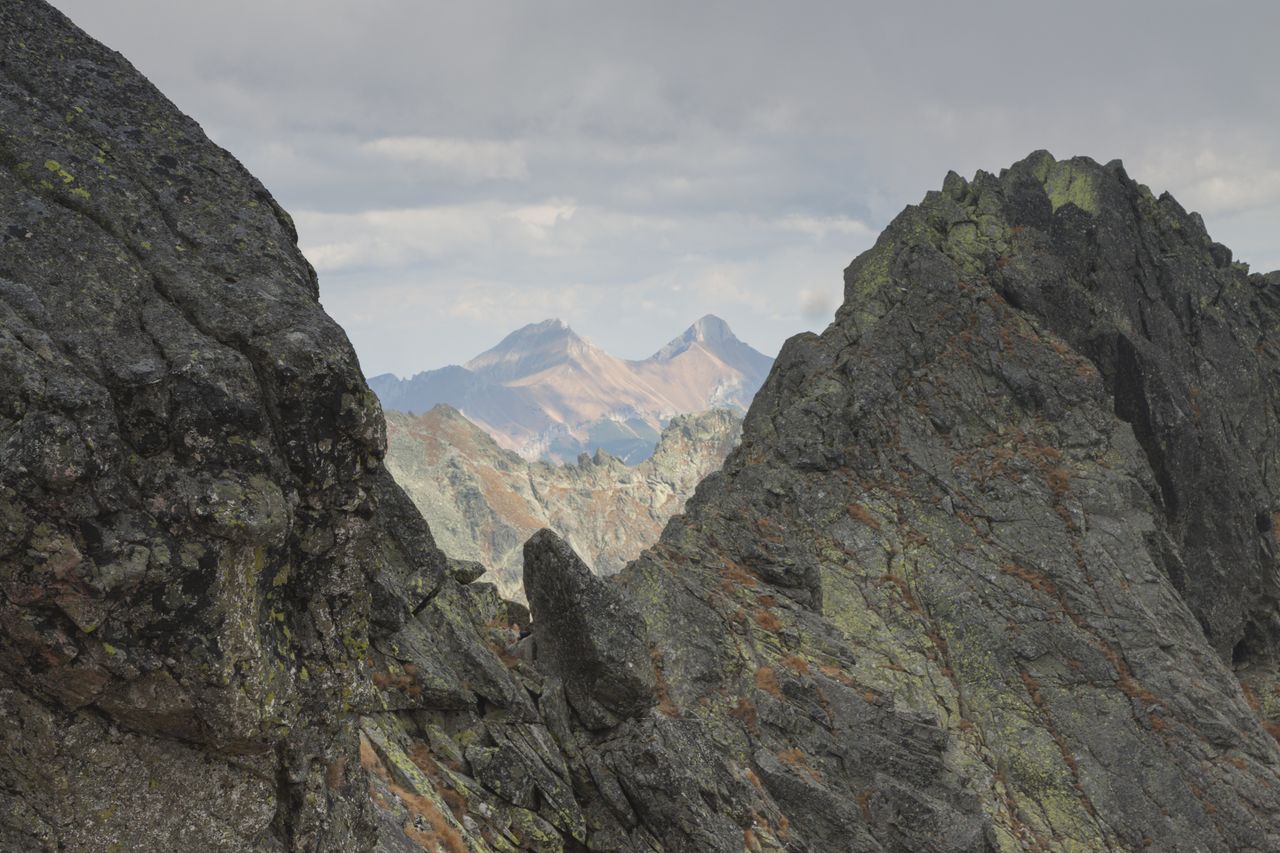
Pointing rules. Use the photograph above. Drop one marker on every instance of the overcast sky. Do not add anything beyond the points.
(459, 169)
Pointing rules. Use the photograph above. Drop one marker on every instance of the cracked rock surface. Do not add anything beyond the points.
(993, 567)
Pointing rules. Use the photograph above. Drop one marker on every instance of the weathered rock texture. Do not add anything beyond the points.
(196, 533)
(992, 543)
(984, 573)
(483, 502)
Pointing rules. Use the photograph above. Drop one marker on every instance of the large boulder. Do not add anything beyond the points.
(587, 634)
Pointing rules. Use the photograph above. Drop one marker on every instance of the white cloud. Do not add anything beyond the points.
(824, 226)
(1215, 173)
(462, 159)
(478, 165)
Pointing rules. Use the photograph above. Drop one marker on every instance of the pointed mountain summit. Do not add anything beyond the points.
(546, 392)
(709, 332)
(531, 349)
(712, 336)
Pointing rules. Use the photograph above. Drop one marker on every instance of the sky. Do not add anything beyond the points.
(459, 169)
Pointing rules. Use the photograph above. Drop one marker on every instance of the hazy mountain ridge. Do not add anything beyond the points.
(547, 393)
(483, 501)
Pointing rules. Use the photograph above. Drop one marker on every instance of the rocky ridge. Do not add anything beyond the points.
(985, 572)
(483, 502)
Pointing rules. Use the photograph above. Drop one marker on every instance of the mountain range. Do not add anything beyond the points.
(547, 393)
(483, 501)
(994, 566)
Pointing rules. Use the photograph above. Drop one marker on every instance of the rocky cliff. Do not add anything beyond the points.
(993, 567)
(482, 502)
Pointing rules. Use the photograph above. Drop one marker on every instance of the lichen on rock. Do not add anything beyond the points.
(993, 567)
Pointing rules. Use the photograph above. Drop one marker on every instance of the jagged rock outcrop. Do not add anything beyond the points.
(973, 506)
(985, 573)
(483, 502)
(587, 634)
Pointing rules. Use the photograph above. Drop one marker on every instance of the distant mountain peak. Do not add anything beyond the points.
(530, 349)
(709, 327)
(544, 391)
(714, 335)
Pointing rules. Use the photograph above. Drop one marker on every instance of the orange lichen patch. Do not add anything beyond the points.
(799, 762)
(1125, 681)
(1250, 697)
(438, 835)
(861, 514)
(766, 620)
(369, 759)
(1034, 578)
(456, 802)
(767, 681)
(666, 707)
(402, 681)
(835, 673)
(334, 773)
(864, 803)
(737, 575)
(1033, 688)
(770, 530)
(745, 711)
(797, 663)
(904, 592)
(1059, 480)
(420, 754)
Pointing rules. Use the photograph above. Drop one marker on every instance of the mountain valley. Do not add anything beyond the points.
(483, 502)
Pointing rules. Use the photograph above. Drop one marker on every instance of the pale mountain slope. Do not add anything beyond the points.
(483, 502)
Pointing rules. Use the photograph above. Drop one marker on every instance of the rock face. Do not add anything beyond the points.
(587, 634)
(992, 544)
(549, 394)
(993, 567)
(483, 502)
(196, 533)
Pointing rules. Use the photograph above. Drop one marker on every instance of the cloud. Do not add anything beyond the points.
(456, 169)
(816, 304)
(1217, 173)
(464, 159)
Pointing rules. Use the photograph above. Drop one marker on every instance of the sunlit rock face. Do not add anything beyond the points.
(483, 501)
(991, 569)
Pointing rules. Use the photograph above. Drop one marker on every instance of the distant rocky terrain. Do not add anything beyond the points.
(547, 393)
(993, 567)
(483, 502)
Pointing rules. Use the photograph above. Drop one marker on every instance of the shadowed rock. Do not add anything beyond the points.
(993, 568)
(587, 633)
